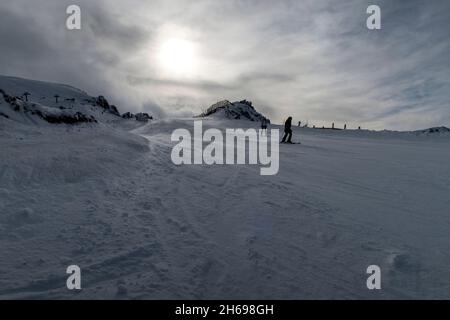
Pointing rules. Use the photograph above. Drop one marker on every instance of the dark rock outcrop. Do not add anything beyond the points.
(144, 117)
(435, 130)
(66, 119)
(4, 115)
(128, 115)
(103, 103)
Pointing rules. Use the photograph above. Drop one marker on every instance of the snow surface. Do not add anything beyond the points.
(107, 197)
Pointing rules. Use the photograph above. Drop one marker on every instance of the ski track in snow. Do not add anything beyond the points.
(140, 227)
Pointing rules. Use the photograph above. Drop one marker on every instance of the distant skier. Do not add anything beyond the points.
(287, 131)
(264, 126)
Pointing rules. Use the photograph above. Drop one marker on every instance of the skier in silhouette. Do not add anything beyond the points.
(287, 131)
(264, 126)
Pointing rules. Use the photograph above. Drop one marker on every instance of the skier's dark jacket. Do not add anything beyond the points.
(287, 125)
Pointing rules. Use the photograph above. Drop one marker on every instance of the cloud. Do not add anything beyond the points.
(20, 41)
(201, 85)
(154, 109)
(111, 30)
(312, 59)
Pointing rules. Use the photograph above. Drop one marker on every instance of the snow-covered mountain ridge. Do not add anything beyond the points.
(32, 102)
(242, 110)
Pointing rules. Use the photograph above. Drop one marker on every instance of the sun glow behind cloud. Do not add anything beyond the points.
(176, 54)
(177, 58)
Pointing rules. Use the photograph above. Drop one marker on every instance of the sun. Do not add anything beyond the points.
(177, 57)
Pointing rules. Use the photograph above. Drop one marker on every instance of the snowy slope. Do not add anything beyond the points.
(39, 90)
(41, 105)
(111, 201)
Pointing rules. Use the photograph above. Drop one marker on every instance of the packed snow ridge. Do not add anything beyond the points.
(31, 102)
(242, 110)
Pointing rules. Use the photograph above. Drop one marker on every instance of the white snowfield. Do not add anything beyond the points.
(106, 197)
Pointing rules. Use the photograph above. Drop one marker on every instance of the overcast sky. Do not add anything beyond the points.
(311, 59)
